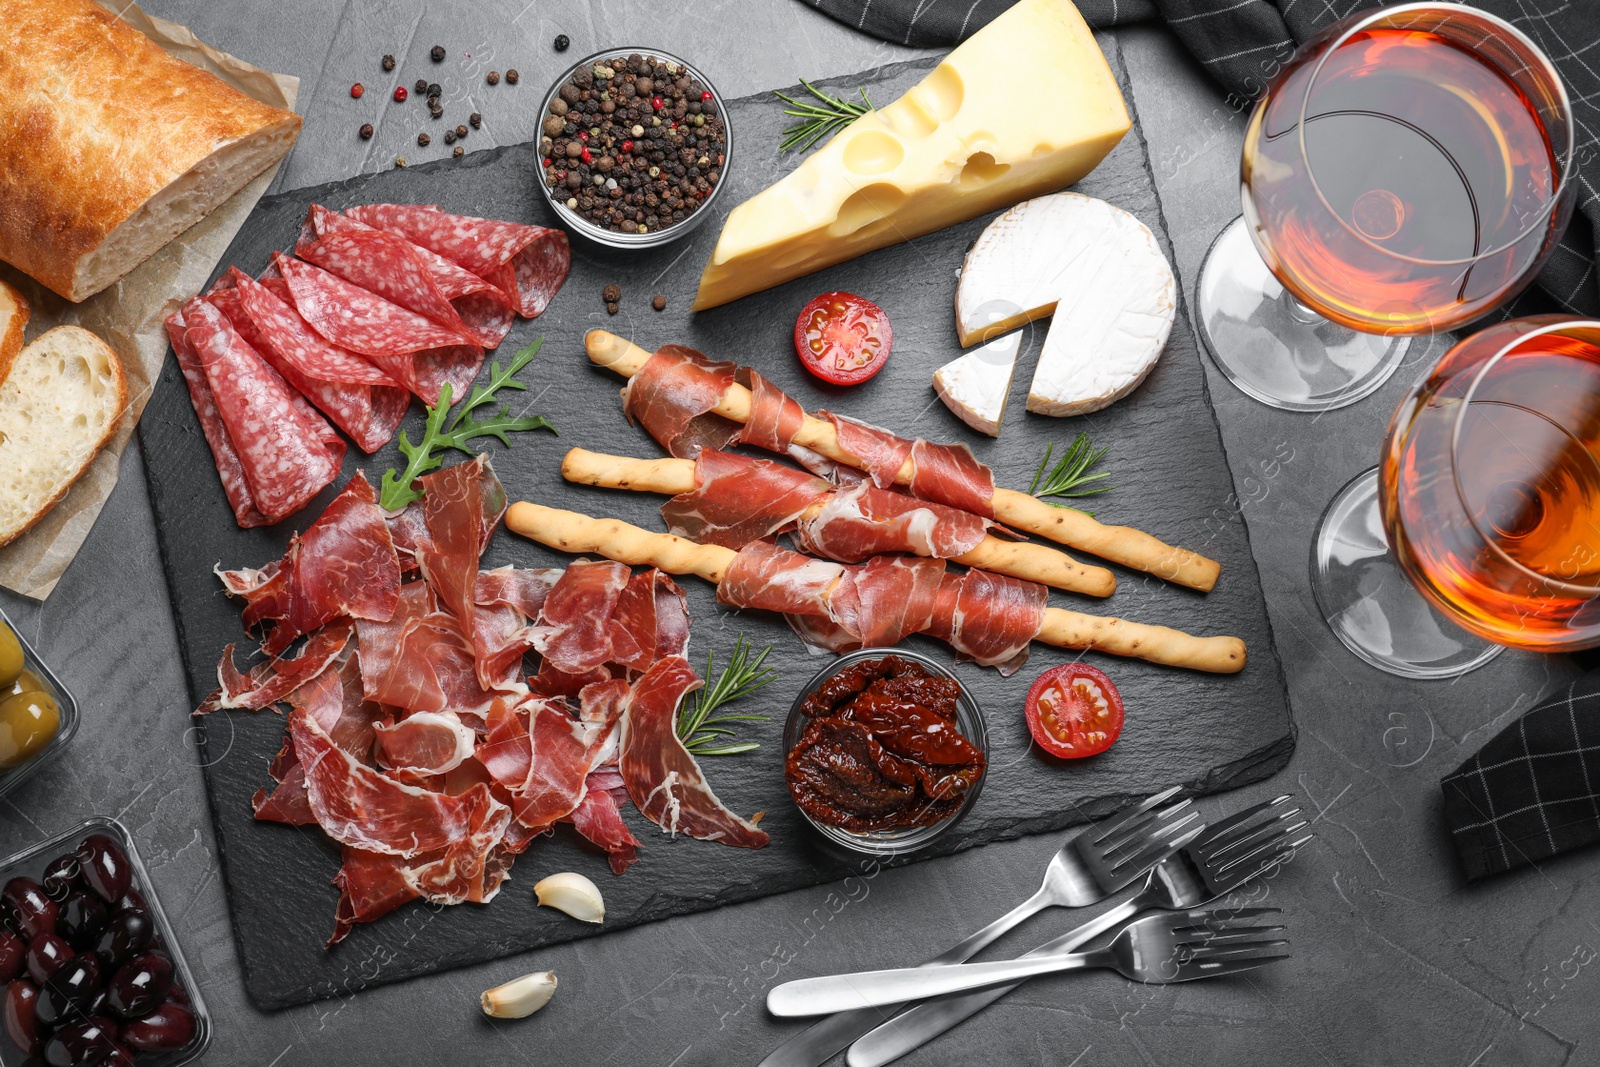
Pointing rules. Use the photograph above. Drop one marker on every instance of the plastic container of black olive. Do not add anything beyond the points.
(969, 720)
(583, 228)
(32, 863)
(65, 703)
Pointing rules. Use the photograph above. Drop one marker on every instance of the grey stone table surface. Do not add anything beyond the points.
(1396, 960)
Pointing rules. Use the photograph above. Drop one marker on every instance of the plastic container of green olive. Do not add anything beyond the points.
(36, 677)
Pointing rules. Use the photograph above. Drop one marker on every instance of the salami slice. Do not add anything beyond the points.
(412, 350)
(229, 467)
(285, 455)
(428, 284)
(370, 412)
(529, 263)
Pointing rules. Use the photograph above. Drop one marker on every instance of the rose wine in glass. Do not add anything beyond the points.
(1491, 484)
(1408, 170)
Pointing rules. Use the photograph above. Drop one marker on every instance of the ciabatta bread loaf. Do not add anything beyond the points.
(110, 147)
(13, 320)
(60, 405)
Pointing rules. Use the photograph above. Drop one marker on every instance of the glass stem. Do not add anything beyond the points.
(1297, 311)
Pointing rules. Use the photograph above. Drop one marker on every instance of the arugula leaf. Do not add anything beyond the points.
(398, 488)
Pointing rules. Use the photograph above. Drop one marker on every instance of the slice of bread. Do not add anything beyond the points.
(60, 405)
(13, 320)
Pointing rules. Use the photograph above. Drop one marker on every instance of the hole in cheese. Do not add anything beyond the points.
(908, 119)
(873, 152)
(981, 169)
(941, 92)
(866, 206)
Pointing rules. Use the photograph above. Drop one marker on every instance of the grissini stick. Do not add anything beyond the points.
(1119, 544)
(571, 531)
(1032, 563)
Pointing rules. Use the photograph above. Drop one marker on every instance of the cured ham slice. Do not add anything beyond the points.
(428, 742)
(528, 263)
(334, 699)
(413, 351)
(506, 601)
(421, 659)
(358, 397)
(989, 619)
(279, 453)
(861, 521)
(775, 417)
(564, 751)
(673, 395)
(599, 818)
(370, 887)
(769, 578)
(344, 565)
(272, 681)
(740, 499)
(651, 621)
(394, 268)
(574, 629)
(886, 600)
(881, 453)
(461, 505)
(952, 475)
(661, 777)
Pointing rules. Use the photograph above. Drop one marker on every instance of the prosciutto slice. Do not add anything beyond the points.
(651, 621)
(574, 629)
(598, 817)
(673, 395)
(769, 578)
(412, 350)
(952, 475)
(334, 699)
(506, 601)
(272, 681)
(279, 453)
(565, 750)
(739, 499)
(461, 505)
(775, 417)
(880, 453)
(886, 600)
(990, 619)
(427, 742)
(661, 777)
(527, 263)
(861, 521)
(421, 659)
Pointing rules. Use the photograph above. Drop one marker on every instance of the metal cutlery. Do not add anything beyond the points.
(1222, 859)
(1102, 859)
(1173, 947)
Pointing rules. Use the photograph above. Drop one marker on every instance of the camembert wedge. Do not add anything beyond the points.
(1027, 105)
(975, 386)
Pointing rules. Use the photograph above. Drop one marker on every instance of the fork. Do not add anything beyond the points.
(1104, 858)
(1224, 858)
(1175, 947)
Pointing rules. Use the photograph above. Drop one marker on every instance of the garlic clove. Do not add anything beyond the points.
(520, 998)
(573, 894)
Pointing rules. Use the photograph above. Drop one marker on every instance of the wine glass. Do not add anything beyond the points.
(1490, 498)
(1408, 170)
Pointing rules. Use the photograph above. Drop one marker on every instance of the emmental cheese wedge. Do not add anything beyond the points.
(961, 143)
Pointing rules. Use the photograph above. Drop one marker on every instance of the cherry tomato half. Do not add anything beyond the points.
(1074, 710)
(843, 338)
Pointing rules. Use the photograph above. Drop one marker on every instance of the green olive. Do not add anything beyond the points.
(26, 682)
(27, 723)
(10, 655)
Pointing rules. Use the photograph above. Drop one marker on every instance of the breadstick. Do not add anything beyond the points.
(1119, 544)
(571, 531)
(1033, 563)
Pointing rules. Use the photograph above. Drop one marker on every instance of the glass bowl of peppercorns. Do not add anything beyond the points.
(633, 146)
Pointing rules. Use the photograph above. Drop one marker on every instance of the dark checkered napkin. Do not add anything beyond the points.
(1241, 43)
(1534, 790)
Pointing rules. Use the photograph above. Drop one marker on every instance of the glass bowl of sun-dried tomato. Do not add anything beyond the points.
(886, 751)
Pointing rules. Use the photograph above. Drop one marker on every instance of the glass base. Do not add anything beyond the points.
(1369, 602)
(1274, 348)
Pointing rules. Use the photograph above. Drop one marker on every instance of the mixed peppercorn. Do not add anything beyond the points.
(633, 144)
(432, 93)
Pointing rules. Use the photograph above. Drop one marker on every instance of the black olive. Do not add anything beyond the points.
(13, 956)
(83, 916)
(46, 953)
(132, 900)
(140, 986)
(85, 1044)
(20, 1016)
(62, 877)
(167, 1029)
(126, 935)
(27, 911)
(69, 992)
(105, 867)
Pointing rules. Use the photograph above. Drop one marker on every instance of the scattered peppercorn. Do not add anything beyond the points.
(388, 62)
(476, 120)
(563, 42)
(366, 131)
(461, 131)
(400, 161)
(435, 109)
(457, 152)
(658, 302)
(612, 309)
(399, 94)
(494, 77)
(422, 86)
(449, 137)
(435, 90)
(512, 76)
(436, 53)
(356, 90)
(422, 140)
(611, 293)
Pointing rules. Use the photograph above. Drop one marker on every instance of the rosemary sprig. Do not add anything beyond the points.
(817, 120)
(421, 458)
(698, 729)
(1070, 476)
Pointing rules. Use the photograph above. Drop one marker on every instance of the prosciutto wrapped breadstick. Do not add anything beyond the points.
(689, 402)
(987, 618)
(732, 500)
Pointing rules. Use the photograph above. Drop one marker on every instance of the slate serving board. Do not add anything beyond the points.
(1171, 476)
